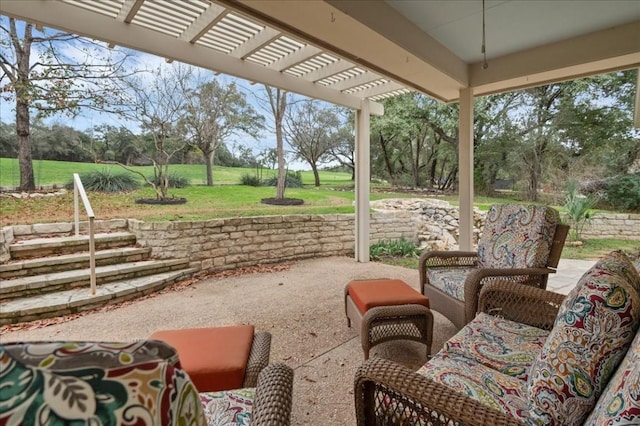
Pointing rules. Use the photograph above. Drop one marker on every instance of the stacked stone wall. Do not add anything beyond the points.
(624, 226)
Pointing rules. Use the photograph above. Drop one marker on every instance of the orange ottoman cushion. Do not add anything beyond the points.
(369, 294)
(215, 358)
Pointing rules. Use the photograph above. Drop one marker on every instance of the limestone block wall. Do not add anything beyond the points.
(624, 226)
(238, 242)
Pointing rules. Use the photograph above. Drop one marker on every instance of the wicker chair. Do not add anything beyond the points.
(521, 243)
(416, 398)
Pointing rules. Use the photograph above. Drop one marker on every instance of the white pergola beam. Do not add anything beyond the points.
(363, 170)
(301, 55)
(258, 41)
(73, 19)
(203, 23)
(378, 90)
(465, 170)
(348, 83)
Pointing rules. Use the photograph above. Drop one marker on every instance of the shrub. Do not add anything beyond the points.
(395, 248)
(250, 180)
(107, 181)
(293, 180)
(623, 192)
(175, 181)
(578, 207)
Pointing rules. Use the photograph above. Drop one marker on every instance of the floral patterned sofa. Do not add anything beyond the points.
(135, 383)
(530, 357)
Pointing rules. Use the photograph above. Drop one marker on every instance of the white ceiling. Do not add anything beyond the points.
(512, 25)
(345, 51)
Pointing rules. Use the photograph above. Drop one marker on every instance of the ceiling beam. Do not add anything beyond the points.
(79, 21)
(258, 41)
(347, 83)
(295, 58)
(596, 53)
(379, 90)
(328, 70)
(203, 23)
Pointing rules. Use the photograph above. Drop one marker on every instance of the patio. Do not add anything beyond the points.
(303, 309)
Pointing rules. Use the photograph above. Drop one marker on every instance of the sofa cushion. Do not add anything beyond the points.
(232, 407)
(619, 404)
(450, 280)
(594, 328)
(517, 236)
(501, 344)
(214, 357)
(145, 392)
(367, 294)
(486, 385)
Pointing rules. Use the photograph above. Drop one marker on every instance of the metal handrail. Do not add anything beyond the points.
(78, 188)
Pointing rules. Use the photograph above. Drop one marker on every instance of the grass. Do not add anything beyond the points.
(49, 172)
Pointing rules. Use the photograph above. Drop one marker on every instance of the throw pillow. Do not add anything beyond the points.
(594, 328)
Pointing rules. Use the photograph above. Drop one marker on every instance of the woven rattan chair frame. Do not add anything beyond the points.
(273, 397)
(461, 312)
(386, 323)
(258, 358)
(389, 394)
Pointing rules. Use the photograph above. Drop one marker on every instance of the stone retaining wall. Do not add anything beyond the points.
(624, 226)
(235, 242)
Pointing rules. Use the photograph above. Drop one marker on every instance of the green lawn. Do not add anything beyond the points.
(49, 172)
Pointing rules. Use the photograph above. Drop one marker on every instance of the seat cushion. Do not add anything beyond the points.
(517, 236)
(619, 404)
(228, 408)
(505, 346)
(486, 385)
(450, 280)
(215, 357)
(592, 333)
(98, 390)
(367, 294)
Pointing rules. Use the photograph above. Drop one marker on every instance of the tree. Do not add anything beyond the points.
(278, 104)
(158, 106)
(69, 73)
(312, 132)
(344, 150)
(215, 112)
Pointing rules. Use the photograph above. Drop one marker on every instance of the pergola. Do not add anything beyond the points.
(357, 52)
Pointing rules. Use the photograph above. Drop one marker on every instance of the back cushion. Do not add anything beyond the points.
(592, 333)
(111, 384)
(517, 236)
(620, 402)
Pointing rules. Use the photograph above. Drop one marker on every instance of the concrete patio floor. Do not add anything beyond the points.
(301, 307)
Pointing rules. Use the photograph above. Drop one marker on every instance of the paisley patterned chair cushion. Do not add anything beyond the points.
(506, 346)
(619, 404)
(450, 280)
(517, 236)
(593, 330)
(499, 391)
(233, 407)
(151, 391)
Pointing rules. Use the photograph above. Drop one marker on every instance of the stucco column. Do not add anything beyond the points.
(363, 167)
(465, 173)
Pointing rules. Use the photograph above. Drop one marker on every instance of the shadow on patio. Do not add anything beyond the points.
(302, 307)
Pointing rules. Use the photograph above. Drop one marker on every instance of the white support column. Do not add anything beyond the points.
(363, 167)
(465, 173)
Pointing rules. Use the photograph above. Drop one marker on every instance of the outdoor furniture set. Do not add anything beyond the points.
(518, 242)
(529, 357)
(183, 378)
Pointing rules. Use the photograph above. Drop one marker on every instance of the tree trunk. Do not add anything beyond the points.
(316, 175)
(208, 161)
(282, 178)
(27, 181)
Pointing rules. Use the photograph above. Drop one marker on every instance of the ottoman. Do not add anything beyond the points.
(220, 358)
(385, 309)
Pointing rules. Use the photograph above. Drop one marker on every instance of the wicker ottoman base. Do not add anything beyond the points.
(381, 324)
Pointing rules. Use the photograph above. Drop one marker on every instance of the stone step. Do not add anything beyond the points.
(40, 247)
(23, 268)
(80, 299)
(66, 280)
